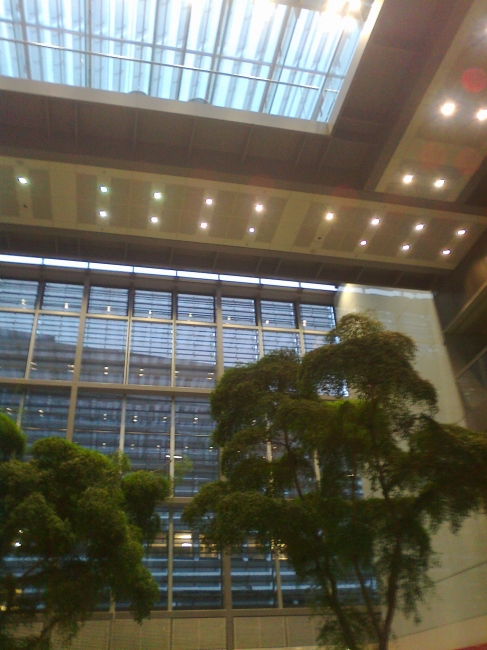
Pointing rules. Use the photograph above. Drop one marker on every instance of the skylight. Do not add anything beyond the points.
(266, 57)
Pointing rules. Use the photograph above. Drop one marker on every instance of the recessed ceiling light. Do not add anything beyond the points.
(482, 115)
(355, 4)
(103, 189)
(157, 195)
(349, 23)
(448, 108)
(440, 182)
(204, 225)
(259, 207)
(22, 180)
(251, 230)
(375, 221)
(407, 179)
(363, 242)
(447, 251)
(462, 231)
(154, 219)
(209, 201)
(419, 226)
(405, 247)
(329, 216)
(103, 213)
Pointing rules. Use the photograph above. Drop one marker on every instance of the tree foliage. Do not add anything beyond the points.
(417, 473)
(72, 524)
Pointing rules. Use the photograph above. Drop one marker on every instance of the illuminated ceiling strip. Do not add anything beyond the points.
(140, 270)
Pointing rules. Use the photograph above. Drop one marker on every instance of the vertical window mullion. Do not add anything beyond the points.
(219, 334)
(300, 327)
(259, 327)
(128, 337)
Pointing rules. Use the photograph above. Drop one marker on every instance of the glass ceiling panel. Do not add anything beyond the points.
(268, 57)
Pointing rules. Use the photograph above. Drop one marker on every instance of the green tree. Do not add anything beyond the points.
(417, 474)
(76, 522)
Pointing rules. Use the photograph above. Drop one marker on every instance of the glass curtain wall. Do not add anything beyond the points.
(132, 370)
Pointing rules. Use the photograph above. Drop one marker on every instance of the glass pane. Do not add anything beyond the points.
(54, 347)
(317, 317)
(277, 314)
(313, 341)
(279, 340)
(195, 356)
(62, 297)
(150, 353)
(18, 293)
(152, 304)
(197, 582)
(147, 430)
(97, 422)
(10, 401)
(104, 350)
(238, 310)
(197, 308)
(240, 346)
(45, 414)
(156, 559)
(253, 577)
(105, 300)
(193, 429)
(15, 333)
(294, 592)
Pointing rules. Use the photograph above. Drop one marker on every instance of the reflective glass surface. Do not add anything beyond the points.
(193, 447)
(15, 333)
(10, 401)
(195, 356)
(156, 559)
(147, 429)
(238, 311)
(240, 346)
(196, 308)
(277, 314)
(263, 57)
(104, 350)
(62, 297)
(18, 293)
(197, 582)
(253, 577)
(280, 340)
(45, 414)
(150, 353)
(97, 422)
(105, 300)
(317, 317)
(152, 304)
(294, 592)
(313, 341)
(54, 347)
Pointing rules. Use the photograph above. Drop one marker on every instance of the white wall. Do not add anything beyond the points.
(456, 616)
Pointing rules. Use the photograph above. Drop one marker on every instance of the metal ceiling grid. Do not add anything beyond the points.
(281, 59)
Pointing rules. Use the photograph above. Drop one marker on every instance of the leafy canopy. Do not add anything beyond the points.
(75, 521)
(306, 496)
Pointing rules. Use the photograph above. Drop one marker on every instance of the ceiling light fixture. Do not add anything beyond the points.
(103, 213)
(259, 207)
(405, 247)
(103, 189)
(447, 251)
(22, 180)
(482, 115)
(448, 109)
(154, 219)
(204, 225)
(349, 23)
(209, 201)
(329, 216)
(355, 5)
(363, 242)
(440, 182)
(157, 195)
(251, 230)
(419, 226)
(375, 221)
(407, 179)
(462, 231)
